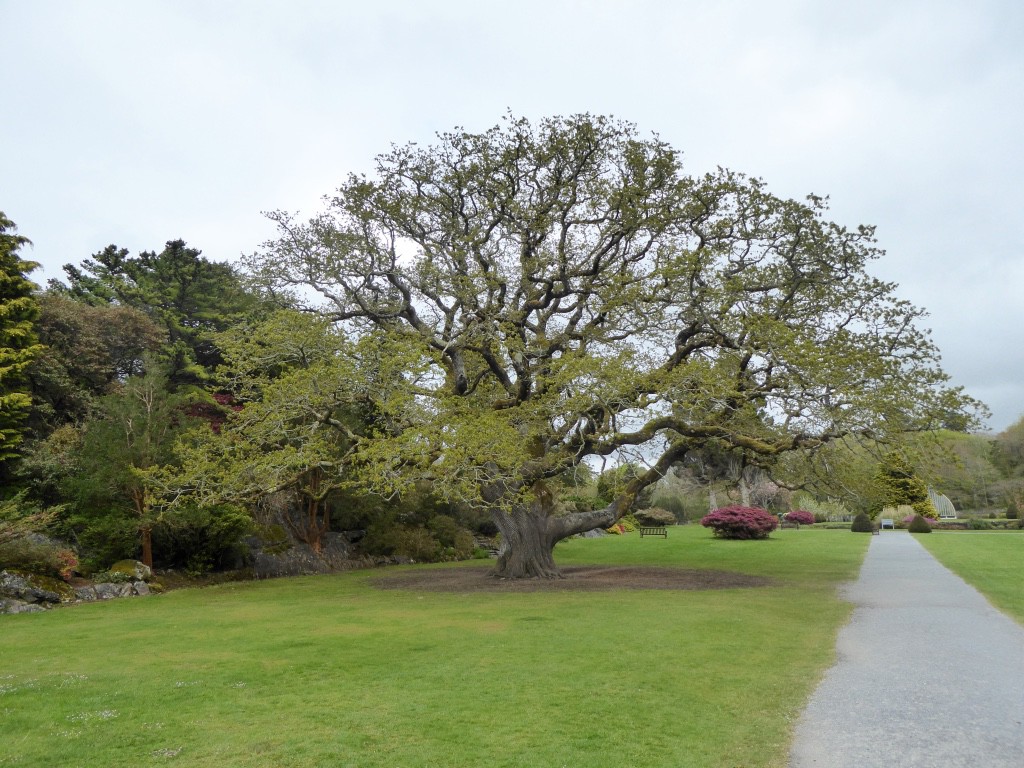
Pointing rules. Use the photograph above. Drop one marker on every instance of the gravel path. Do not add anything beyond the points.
(928, 673)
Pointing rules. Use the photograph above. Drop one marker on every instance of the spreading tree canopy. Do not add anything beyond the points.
(561, 292)
(296, 420)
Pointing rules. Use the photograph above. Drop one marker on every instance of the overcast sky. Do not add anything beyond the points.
(140, 121)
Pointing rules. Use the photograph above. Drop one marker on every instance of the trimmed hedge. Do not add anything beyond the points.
(919, 525)
(655, 516)
(862, 524)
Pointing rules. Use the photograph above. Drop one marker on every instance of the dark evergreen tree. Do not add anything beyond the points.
(898, 485)
(19, 311)
(186, 294)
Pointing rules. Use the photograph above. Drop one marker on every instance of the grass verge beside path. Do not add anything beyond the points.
(991, 562)
(328, 671)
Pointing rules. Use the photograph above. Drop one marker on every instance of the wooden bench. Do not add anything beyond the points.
(654, 530)
(887, 523)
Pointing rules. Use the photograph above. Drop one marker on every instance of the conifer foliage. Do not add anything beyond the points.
(899, 485)
(19, 312)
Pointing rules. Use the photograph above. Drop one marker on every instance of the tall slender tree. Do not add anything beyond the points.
(19, 311)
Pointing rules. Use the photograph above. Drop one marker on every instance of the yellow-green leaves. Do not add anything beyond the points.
(511, 303)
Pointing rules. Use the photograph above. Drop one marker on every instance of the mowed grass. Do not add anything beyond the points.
(329, 671)
(992, 562)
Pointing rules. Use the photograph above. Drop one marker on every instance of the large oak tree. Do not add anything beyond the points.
(561, 292)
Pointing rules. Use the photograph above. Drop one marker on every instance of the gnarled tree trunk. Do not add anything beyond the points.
(529, 533)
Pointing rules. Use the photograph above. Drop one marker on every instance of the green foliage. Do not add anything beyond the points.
(456, 542)
(862, 523)
(675, 504)
(629, 523)
(441, 540)
(103, 536)
(388, 539)
(584, 297)
(200, 539)
(919, 525)
(113, 577)
(89, 350)
(1012, 511)
(612, 482)
(134, 433)
(22, 547)
(655, 516)
(188, 296)
(49, 465)
(899, 485)
(19, 517)
(302, 389)
(827, 510)
(1008, 449)
(19, 346)
(964, 466)
(39, 556)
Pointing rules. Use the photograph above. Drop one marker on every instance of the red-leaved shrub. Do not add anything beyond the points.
(741, 522)
(801, 516)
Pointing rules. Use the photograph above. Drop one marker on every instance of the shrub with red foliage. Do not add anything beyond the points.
(801, 516)
(738, 522)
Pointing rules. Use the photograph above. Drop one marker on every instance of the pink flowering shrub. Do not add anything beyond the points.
(738, 522)
(801, 516)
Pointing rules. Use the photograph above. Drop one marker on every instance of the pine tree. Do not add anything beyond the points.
(19, 311)
(899, 485)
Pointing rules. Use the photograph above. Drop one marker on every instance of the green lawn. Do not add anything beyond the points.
(991, 562)
(328, 671)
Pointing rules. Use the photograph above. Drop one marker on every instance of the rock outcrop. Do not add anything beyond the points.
(30, 593)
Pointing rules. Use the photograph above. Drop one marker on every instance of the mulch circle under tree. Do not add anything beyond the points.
(579, 578)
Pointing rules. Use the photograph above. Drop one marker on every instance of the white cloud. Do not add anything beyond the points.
(137, 122)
